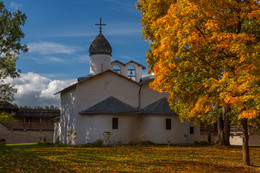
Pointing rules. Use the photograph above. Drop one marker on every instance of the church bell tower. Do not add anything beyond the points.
(100, 53)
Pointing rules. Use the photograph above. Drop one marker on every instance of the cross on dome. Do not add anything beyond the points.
(100, 25)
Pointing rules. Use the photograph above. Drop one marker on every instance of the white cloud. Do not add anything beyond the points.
(123, 6)
(36, 90)
(82, 59)
(53, 87)
(55, 59)
(129, 4)
(15, 6)
(50, 48)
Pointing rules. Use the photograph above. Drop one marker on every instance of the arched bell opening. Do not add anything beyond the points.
(117, 69)
(131, 72)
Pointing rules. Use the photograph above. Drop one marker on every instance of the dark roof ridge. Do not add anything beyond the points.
(160, 106)
(143, 67)
(118, 62)
(110, 105)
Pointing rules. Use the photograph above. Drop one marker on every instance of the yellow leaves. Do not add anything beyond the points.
(154, 158)
(199, 50)
(6, 117)
(156, 69)
(249, 114)
(211, 25)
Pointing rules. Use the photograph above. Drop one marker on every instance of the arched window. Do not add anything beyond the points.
(131, 72)
(117, 69)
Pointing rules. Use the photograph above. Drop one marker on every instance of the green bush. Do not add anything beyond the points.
(117, 144)
(131, 143)
(87, 145)
(98, 143)
(145, 143)
(203, 143)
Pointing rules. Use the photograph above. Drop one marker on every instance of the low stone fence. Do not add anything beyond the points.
(24, 136)
(235, 139)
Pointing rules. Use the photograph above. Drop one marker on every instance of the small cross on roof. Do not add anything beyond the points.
(100, 25)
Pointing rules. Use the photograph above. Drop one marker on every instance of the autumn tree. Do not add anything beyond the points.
(10, 48)
(205, 54)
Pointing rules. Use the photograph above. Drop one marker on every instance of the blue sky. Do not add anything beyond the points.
(59, 33)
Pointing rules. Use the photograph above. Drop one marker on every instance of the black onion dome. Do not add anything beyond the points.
(100, 46)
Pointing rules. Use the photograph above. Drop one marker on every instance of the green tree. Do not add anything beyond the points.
(10, 47)
(205, 54)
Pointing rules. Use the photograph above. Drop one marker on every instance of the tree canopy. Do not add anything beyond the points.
(10, 47)
(205, 53)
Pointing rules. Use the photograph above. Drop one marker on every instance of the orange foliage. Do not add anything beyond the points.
(205, 53)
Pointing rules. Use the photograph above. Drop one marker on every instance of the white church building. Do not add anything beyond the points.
(115, 98)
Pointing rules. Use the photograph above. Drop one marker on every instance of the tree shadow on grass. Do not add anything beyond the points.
(48, 158)
(175, 166)
(29, 158)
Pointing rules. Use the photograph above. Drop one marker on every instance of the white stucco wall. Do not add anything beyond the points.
(153, 128)
(96, 62)
(96, 125)
(149, 96)
(92, 91)
(67, 117)
(196, 136)
(136, 128)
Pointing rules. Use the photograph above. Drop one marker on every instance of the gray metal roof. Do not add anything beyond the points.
(100, 46)
(111, 105)
(89, 76)
(143, 67)
(7, 105)
(85, 77)
(81, 79)
(117, 61)
(159, 107)
(146, 79)
(43, 113)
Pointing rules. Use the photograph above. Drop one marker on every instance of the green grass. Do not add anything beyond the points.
(50, 158)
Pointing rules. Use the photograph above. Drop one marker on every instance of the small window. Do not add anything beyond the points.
(191, 130)
(168, 124)
(114, 123)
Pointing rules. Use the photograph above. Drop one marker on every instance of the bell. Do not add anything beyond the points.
(131, 72)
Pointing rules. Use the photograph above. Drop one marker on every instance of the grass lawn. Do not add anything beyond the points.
(50, 158)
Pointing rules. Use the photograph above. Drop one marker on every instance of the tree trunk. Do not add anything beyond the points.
(223, 125)
(220, 131)
(227, 123)
(245, 148)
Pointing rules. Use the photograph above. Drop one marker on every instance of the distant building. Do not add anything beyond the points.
(235, 135)
(30, 125)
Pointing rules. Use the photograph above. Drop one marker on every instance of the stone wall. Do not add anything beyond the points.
(21, 136)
